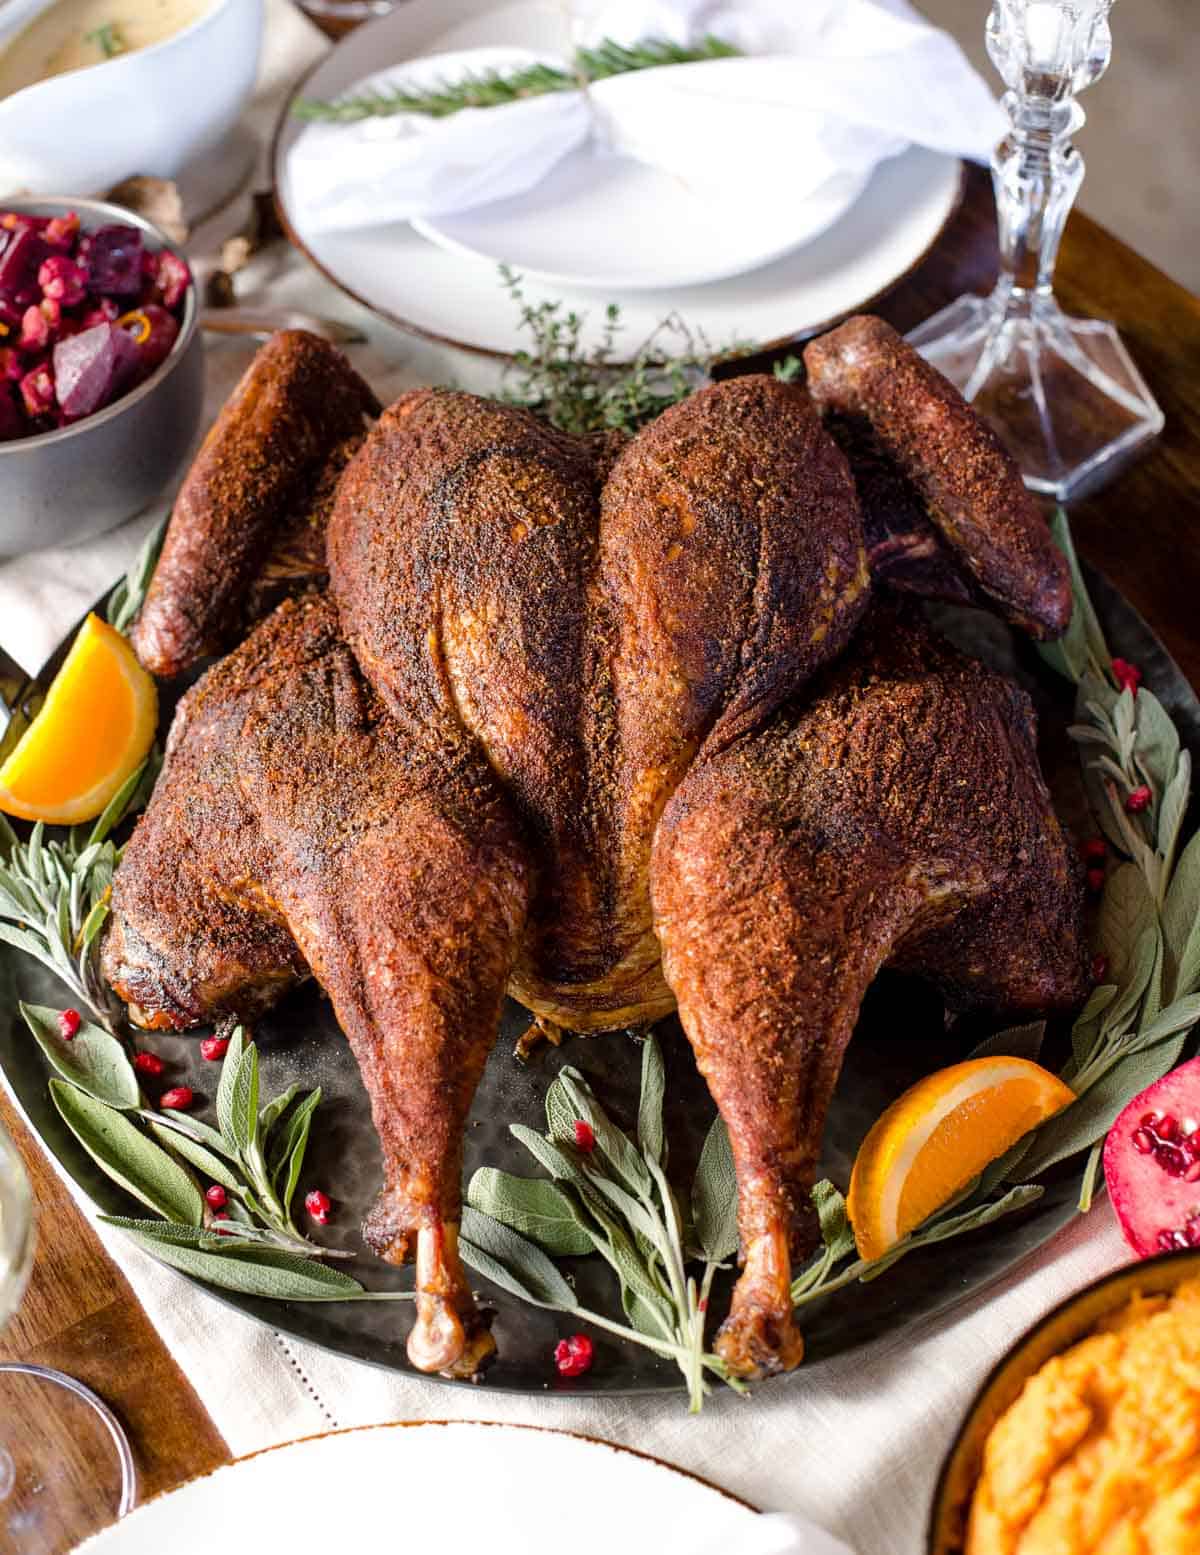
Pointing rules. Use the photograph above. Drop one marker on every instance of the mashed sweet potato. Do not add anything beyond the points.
(1100, 1455)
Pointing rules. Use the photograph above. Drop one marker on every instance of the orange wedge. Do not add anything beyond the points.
(940, 1134)
(93, 731)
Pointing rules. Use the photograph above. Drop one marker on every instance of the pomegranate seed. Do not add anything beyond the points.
(573, 1356)
(179, 1098)
(1138, 799)
(216, 1196)
(585, 1136)
(1192, 1231)
(1167, 1129)
(1094, 850)
(1126, 675)
(318, 1205)
(1142, 1142)
(1095, 881)
(214, 1048)
(148, 1063)
(1167, 1242)
(69, 1022)
(1099, 968)
(221, 1214)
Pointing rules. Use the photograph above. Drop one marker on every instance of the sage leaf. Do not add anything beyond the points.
(243, 1102)
(277, 1276)
(127, 598)
(714, 1196)
(1178, 1017)
(1017, 1042)
(648, 1314)
(612, 1143)
(194, 1128)
(1136, 975)
(1084, 631)
(1087, 1188)
(1080, 1125)
(650, 1105)
(230, 1068)
(296, 1146)
(93, 1060)
(942, 1227)
(1127, 913)
(1181, 923)
(1173, 809)
(126, 1155)
(273, 1111)
(836, 1231)
(533, 1207)
(197, 1155)
(1156, 745)
(514, 1264)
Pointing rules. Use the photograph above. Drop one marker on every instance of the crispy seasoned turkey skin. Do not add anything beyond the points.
(894, 817)
(865, 374)
(591, 644)
(578, 724)
(389, 865)
(247, 506)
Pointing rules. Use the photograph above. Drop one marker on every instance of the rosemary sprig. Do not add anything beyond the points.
(54, 894)
(609, 1194)
(494, 89)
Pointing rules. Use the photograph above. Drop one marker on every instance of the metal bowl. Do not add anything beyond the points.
(83, 479)
(1058, 1331)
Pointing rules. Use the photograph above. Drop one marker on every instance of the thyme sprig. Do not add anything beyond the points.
(495, 89)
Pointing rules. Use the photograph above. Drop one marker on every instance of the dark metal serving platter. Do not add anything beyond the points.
(902, 1034)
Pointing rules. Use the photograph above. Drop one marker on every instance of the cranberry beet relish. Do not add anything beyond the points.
(84, 318)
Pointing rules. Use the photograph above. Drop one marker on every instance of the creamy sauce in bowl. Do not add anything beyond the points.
(74, 34)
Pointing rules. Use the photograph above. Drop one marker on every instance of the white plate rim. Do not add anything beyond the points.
(105, 1539)
(473, 348)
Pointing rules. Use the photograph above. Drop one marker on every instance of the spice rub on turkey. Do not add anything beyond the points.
(616, 737)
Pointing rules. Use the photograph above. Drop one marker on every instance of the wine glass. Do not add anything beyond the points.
(1062, 392)
(48, 1496)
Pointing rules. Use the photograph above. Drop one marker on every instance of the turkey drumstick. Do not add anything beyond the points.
(880, 820)
(397, 871)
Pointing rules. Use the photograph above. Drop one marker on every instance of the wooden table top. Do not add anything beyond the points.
(1143, 530)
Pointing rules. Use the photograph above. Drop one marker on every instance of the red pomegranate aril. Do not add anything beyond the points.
(1094, 850)
(1095, 881)
(1167, 1128)
(585, 1136)
(148, 1063)
(69, 1022)
(37, 391)
(1142, 1142)
(1099, 968)
(318, 1205)
(1138, 799)
(63, 280)
(179, 1098)
(573, 1356)
(216, 1196)
(213, 1049)
(1126, 675)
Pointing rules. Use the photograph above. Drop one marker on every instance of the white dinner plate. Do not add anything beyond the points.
(454, 1486)
(449, 290)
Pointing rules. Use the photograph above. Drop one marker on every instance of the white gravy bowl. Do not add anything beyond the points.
(153, 110)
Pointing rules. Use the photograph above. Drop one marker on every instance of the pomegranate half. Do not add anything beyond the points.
(1152, 1164)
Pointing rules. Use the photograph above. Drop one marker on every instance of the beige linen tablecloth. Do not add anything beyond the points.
(853, 1443)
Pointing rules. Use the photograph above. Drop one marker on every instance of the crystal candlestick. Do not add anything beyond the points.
(1062, 392)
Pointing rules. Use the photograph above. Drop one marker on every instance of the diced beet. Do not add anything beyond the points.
(62, 279)
(105, 311)
(12, 423)
(92, 368)
(35, 331)
(113, 258)
(21, 254)
(37, 390)
(153, 331)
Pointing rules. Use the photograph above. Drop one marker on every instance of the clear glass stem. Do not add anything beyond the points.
(1036, 172)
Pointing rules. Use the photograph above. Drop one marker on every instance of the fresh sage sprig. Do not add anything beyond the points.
(1138, 776)
(127, 598)
(609, 1194)
(161, 1158)
(54, 894)
(494, 88)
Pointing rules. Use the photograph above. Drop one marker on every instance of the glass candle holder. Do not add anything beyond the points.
(1062, 392)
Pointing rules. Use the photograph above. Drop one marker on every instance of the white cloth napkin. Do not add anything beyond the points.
(852, 1445)
(829, 88)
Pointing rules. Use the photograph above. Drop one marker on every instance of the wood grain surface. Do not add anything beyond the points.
(1143, 530)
